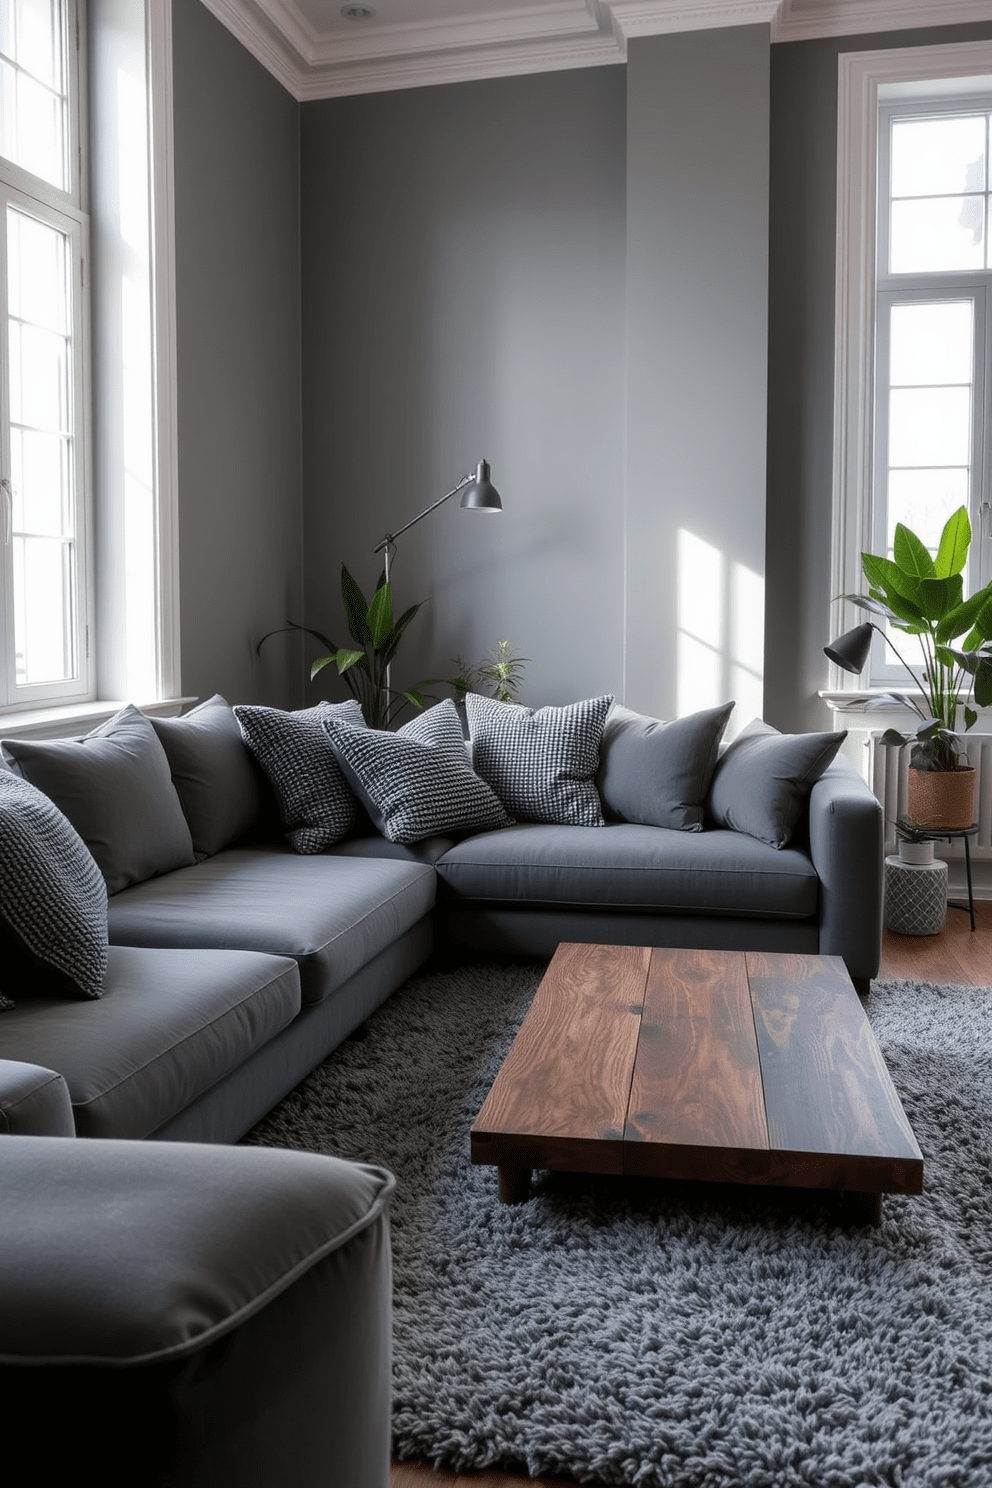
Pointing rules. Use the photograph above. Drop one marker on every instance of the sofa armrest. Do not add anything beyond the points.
(846, 833)
(231, 1304)
(34, 1102)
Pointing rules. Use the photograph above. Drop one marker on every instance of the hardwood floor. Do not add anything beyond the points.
(955, 955)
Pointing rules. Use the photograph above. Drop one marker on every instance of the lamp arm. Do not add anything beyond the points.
(889, 642)
(392, 536)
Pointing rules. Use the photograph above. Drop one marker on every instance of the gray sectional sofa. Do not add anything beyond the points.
(235, 964)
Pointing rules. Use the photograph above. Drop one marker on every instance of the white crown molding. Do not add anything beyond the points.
(541, 37)
(804, 20)
(632, 18)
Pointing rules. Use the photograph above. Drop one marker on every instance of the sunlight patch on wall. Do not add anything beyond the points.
(720, 643)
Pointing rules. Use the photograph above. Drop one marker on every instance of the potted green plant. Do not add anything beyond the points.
(364, 666)
(923, 595)
(915, 841)
(499, 674)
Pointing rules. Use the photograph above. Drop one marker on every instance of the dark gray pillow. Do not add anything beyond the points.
(762, 780)
(540, 762)
(214, 773)
(53, 898)
(658, 774)
(315, 802)
(417, 782)
(116, 788)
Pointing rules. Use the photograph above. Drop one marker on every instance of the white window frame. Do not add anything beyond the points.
(108, 680)
(64, 210)
(865, 79)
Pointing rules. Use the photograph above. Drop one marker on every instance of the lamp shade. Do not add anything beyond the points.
(850, 650)
(480, 494)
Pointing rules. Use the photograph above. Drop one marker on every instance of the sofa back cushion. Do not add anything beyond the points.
(116, 788)
(214, 773)
(658, 774)
(541, 762)
(315, 801)
(53, 900)
(763, 779)
(417, 782)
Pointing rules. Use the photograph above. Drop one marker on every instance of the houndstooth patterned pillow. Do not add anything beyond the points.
(53, 897)
(417, 782)
(540, 763)
(316, 805)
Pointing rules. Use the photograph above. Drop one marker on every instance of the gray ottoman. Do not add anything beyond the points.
(176, 1314)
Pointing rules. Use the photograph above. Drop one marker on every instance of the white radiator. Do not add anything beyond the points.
(887, 774)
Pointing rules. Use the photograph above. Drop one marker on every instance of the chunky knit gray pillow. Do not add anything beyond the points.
(417, 782)
(541, 763)
(316, 805)
(53, 897)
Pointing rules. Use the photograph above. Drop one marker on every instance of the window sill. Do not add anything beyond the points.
(73, 719)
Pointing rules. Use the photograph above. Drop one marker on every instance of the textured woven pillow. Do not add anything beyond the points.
(417, 782)
(763, 779)
(116, 789)
(214, 773)
(53, 898)
(541, 763)
(658, 774)
(315, 803)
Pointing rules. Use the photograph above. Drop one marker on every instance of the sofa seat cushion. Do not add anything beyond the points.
(169, 1025)
(331, 914)
(627, 866)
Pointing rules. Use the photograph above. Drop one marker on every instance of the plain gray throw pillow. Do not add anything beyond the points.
(658, 774)
(762, 781)
(214, 773)
(116, 788)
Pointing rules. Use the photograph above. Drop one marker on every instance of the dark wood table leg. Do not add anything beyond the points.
(514, 1185)
(862, 1208)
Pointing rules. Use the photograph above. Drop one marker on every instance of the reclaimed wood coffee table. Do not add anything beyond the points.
(740, 1067)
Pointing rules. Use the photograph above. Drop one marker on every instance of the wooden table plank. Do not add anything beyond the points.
(696, 1107)
(560, 1100)
(834, 1118)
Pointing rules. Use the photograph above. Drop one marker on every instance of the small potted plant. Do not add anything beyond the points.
(914, 841)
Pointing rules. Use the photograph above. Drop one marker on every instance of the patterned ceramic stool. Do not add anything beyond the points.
(915, 896)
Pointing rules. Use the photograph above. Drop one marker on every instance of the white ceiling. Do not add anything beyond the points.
(317, 52)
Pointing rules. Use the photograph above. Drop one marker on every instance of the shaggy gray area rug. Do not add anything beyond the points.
(640, 1333)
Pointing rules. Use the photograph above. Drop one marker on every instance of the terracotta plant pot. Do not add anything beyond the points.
(942, 798)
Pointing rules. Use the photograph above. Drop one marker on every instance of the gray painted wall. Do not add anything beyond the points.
(238, 333)
(463, 296)
(697, 290)
(803, 221)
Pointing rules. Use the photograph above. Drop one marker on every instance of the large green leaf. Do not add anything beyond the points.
(938, 597)
(981, 631)
(908, 616)
(318, 635)
(955, 540)
(910, 554)
(963, 617)
(356, 610)
(381, 617)
(874, 606)
(983, 683)
(888, 577)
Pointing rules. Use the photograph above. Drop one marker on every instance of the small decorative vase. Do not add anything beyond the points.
(915, 896)
(942, 798)
(916, 853)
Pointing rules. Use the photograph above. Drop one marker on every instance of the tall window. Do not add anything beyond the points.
(912, 415)
(44, 571)
(933, 272)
